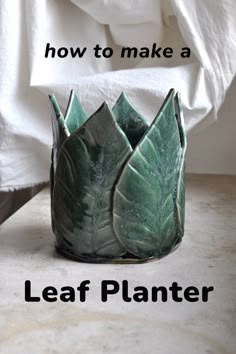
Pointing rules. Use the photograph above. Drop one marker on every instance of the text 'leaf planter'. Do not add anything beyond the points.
(117, 184)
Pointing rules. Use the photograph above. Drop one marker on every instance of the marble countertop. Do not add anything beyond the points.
(206, 257)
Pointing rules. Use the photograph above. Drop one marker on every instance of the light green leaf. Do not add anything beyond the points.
(89, 163)
(131, 122)
(144, 213)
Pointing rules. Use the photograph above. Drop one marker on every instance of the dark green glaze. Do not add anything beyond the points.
(111, 203)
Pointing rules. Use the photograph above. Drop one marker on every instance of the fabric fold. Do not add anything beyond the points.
(27, 77)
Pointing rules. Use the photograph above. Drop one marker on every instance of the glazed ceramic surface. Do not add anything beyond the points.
(117, 184)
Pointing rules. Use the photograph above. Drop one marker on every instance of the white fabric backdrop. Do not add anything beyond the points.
(207, 27)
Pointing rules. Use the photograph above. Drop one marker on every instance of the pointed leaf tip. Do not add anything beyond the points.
(129, 119)
(180, 120)
(75, 115)
(55, 105)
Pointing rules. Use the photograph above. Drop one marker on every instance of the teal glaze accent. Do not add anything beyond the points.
(117, 184)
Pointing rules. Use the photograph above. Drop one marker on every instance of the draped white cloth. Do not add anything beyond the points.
(207, 27)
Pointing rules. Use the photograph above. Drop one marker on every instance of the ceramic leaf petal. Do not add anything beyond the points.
(60, 134)
(144, 199)
(75, 115)
(89, 163)
(180, 190)
(130, 121)
(59, 128)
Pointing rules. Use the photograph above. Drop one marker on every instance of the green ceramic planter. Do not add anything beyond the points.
(117, 184)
